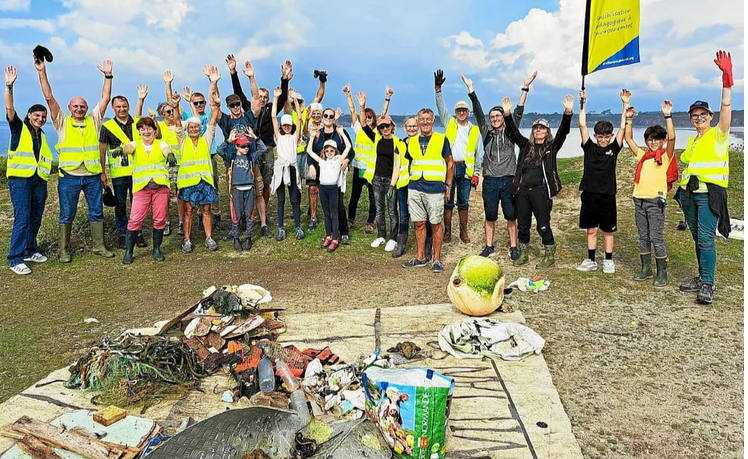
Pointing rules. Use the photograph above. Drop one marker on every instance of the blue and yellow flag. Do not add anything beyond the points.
(611, 34)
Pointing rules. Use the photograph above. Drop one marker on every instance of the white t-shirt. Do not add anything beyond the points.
(164, 146)
(329, 170)
(286, 145)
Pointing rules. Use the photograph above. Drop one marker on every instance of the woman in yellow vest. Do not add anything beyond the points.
(703, 191)
(150, 184)
(172, 115)
(29, 163)
(195, 177)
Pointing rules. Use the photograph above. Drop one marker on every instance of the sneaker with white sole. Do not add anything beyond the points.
(587, 265)
(210, 244)
(609, 267)
(377, 242)
(36, 258)
(21, 269)
(391, 246)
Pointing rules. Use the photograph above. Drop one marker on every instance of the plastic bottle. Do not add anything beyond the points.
(266, 375)
(298, 403)
(284, 371)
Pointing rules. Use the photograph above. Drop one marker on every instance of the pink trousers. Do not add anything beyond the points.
(157, 200)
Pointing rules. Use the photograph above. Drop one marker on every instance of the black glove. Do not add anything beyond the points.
(439, 78)
(322, 75)
(42, 54)
(171, 160)
(391, 192)
(116, 152)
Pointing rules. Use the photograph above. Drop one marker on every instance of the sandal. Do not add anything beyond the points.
(328, 240)
(333, 246)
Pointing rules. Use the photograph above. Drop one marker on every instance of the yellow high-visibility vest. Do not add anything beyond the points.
(430, 166)
(472, 143)
(116, 169)
(195, 165)
(371, 166)
(701, 159)
(170, 137)
(22, 162)
(148, 167)
(363, 147)
(404, 177)
(79, 147)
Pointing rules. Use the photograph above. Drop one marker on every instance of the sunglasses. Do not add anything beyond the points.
(199, 102)
(384, 126)
(246, 145)
(169, 112)
(235, 104)
(369, 117)
(329, 117)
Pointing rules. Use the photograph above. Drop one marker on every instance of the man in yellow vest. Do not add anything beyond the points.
(430, 181)
(29, 163)
(80, 167)
(467, 143)
(114, 133)
(703, 191)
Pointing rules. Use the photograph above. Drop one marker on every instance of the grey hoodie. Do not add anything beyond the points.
(499, 159)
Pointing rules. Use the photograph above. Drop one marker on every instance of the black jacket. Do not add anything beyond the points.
(264, 128)
(717, 204)
(548, 152)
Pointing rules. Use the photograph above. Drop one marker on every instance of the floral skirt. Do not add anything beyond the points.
(199, 195)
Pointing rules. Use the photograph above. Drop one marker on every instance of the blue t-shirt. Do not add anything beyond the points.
(423, 185)
(204, 118)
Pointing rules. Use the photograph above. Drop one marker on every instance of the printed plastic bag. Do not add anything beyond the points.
(411, 407)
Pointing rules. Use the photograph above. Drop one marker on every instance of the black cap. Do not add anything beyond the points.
(41, 54)
(497, 108)
(700, 104)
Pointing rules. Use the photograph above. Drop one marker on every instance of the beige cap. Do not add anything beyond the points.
(462, 104)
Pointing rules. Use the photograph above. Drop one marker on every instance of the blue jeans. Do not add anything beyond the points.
(462, 186)
(122, 186)
(703, 225)
(28, 196)
(402, 202)
(69, 188)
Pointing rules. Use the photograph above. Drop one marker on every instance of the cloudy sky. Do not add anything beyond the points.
(497, 43)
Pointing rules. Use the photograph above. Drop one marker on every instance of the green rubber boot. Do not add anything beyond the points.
(158, 238)
(130, 239)
(549, 258)
(661, 277)
(97, 234)
(646, 272)
(522, 255)
(64, 242)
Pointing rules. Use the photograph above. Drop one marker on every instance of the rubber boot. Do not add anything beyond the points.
(97, 234)
(402, 242)
(646, 272)
(429, 248)
(447, 225)
(549, 258)
(661, 277)
(130, 240)
(522, 255)
(463, 226)
(158, 238)
(64, 242)
(248, 245)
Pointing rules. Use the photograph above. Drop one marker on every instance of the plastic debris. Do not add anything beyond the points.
(475, 338)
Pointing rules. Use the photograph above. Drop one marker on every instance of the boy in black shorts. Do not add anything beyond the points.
(598, 185)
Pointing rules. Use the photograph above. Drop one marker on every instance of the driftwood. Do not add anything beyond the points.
(36, 449)
(56, 436)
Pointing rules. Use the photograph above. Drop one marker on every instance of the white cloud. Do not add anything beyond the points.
(15, 5)
(37, 24)
(468, 51)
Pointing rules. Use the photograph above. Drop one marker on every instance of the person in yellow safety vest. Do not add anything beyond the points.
(150, 183)
(195, 178)
(467, 143)
(80, 167)
(115, 132)
(171, 112)
(431, 172)
(703, 191)
(29, 164)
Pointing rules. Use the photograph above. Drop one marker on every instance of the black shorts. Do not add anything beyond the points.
(598, 211)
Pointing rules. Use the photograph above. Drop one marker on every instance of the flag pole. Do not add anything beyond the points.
(581, 102)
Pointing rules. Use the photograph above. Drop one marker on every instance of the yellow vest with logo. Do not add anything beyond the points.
(170, 137)
(22, 162)
(116, 169)
(372, 165)
(704, 161)
(195, 165)
(148, 167)
(363, 147)
(472, 144)
(79, 147)
(430, 166)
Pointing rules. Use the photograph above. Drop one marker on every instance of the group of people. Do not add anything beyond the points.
(274, 143)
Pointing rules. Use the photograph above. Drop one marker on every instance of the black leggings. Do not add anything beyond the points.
(357, 187)
(295, 198)
(328, 196)
(534, 201)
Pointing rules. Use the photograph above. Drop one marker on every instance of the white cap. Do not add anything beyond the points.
(330, 143)
(287, 119)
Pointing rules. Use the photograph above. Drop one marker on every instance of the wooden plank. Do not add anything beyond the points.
(36, 449)
(87, 447)
(109, 415)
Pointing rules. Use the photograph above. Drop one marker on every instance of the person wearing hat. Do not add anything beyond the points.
(287, 138)
(115, 132)
(466, 142)
(241, 181)
(499, 165)
(171, 112)
(29, 165)
(80, 167)
(703, 188)
(536, 179)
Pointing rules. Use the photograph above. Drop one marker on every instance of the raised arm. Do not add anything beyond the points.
(187, 97)
(351, 105)
(211, 71)
(299, 112)
(724, 62)
(526, 89)
(439, 80)
(106, 90)
(388, 92)
(249, 71)
(565, 126)
(215, 108)
(274, 112)
(511, 129)
(54, 107)
(361, 98)
(142, 94)
(344, 153)
(629, 134)
(321, 89)
(625, 101)
(168, 78)
(10, 77)
(667, 109)
(583, 117)
(480, 117)
(310, 144)
(236, 85)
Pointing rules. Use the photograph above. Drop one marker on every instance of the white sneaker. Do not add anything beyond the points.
(587, 266)
(377, 242)
(21, 269)
(609, 266)
(391, 246)
(36, 258)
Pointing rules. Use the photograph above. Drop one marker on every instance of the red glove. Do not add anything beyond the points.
(724, 62)
(474, 181)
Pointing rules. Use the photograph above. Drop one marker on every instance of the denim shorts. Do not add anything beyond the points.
(495, 190)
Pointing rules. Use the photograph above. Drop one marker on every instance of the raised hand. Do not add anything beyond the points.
(151, 113)
(529, 81)
(666, 107)
(291, 94)
(10, 75)
(251, 133)
(277, 92)
(439, 78)
(287, 70)
(630, 112)
(232, 136)
(388, 92)
(568, 103)
(187, 94)
(625, 96)
(105, 67)
(142, 91)
(724, 62)
(347, 89)
(506, 104)
(176, 97)
(248, 69)
(231, 62)
(39, 65)
(213, 74)
(582, 96)
(340, 131)
(167, 76)
(215, 101)
(468, 82)
(206, 70)
(323, 76)
(361, 98)
(338, 113)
